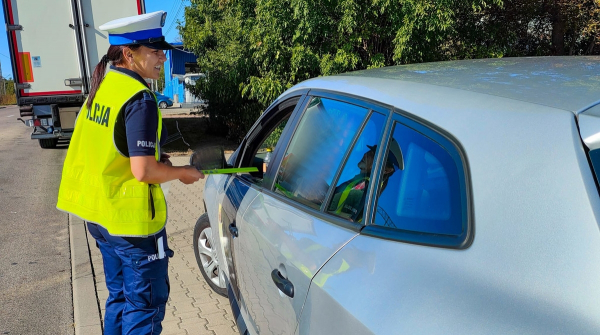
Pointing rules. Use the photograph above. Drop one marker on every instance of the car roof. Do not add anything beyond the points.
(569, 83)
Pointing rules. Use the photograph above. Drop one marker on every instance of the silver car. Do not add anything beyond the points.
(443, 198)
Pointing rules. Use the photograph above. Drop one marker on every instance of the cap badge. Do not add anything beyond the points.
(163, 19)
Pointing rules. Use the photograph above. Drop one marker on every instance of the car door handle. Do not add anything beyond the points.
(282, 284)
(233, 230)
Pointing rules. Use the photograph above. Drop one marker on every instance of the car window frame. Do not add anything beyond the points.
(458, 154)
(340, 170)
(257, 137)
(371, 106)
(256, 130)
(393, 114)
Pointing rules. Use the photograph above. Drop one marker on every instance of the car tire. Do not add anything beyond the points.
(206, 256)
(48, 143)
(162, 105)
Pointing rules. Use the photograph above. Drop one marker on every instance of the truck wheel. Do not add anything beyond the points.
(162, 105)
(48, 143)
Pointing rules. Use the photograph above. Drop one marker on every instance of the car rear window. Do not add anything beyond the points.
(420, 189)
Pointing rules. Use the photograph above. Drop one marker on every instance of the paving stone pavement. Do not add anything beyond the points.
(193, 308)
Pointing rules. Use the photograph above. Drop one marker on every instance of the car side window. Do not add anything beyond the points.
(348, 199)
(420, 188)
(264, 154)
(316, 150)
(261, 149)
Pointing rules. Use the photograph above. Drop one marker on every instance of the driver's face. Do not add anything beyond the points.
(366, 163)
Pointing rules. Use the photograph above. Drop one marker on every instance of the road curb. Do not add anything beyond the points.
(85, 302)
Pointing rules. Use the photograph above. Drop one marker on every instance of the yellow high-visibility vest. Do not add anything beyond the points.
(97, 183)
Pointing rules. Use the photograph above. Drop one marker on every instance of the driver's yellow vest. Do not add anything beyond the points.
(97, 183)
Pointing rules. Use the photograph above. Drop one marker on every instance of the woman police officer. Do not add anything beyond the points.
(113, 170)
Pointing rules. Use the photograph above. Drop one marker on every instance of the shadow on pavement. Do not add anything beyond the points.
(195, 132)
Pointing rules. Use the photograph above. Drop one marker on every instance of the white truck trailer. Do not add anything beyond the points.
(55, 46)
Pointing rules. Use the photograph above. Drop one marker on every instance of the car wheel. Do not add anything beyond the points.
(48, 143)
(163, 104)
(206, 256)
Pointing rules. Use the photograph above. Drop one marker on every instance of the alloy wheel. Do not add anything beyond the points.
(208, 258)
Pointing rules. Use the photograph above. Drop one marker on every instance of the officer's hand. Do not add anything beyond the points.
(190, 175)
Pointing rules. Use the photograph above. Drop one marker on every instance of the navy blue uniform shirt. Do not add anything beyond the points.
(137, 122)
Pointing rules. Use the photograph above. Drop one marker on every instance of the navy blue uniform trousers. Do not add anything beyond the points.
(137, 281)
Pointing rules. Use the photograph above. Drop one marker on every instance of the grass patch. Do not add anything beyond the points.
(194, 131)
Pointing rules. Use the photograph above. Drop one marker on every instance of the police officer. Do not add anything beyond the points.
(113, 171)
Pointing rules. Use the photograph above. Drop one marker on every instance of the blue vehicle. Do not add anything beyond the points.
(163, 101)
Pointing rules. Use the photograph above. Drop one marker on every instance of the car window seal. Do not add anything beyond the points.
(383, 143)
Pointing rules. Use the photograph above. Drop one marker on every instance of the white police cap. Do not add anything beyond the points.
(145, 29)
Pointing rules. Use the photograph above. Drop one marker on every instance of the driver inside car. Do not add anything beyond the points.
(349, 197)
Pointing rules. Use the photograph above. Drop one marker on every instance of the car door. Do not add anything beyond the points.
(236, 191)
(286, 233)
(399, 279)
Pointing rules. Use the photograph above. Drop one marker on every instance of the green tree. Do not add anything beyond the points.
(253, 50)
(9, 97)
(217, 31)
(541, 27)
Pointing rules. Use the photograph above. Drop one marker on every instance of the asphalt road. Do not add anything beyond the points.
(35, 265)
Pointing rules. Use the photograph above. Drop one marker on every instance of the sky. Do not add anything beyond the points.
(174, 9)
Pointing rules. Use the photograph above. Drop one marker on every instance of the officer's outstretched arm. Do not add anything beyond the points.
(147, 170)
